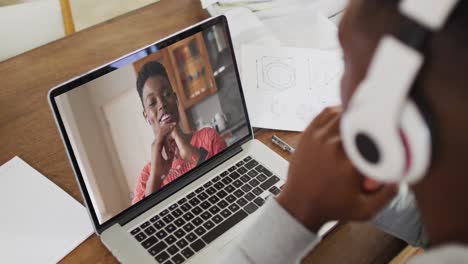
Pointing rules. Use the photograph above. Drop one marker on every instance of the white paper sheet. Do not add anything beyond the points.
(40, 222)
(285, 88)
(242, 1)
(305, 29)
(207, 3)
(331, 7)
(246, 28)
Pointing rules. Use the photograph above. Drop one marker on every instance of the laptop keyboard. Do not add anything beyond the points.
(177, 233)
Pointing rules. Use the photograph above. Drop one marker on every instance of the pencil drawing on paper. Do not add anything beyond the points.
(288, 87)
(306, 112)
(323, 72)
(276, 74)
(278, 108)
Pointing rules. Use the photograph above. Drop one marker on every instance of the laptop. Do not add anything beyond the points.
(192, 208)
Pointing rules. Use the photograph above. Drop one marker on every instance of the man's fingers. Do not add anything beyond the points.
(330, 130)
(333, 126)
(325, 116)
(326, 120)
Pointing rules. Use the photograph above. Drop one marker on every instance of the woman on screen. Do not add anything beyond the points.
(182, 151)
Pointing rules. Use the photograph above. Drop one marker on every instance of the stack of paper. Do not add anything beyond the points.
(40, 223)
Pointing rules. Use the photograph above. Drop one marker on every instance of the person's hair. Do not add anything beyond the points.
(149, 69)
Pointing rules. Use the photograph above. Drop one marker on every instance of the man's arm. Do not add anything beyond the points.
(275, 237)
(322, 186)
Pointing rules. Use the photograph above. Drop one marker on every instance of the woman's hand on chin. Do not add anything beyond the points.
(186, 151)
(159, 165)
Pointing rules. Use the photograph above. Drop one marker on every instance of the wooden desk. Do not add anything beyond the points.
(27, 128)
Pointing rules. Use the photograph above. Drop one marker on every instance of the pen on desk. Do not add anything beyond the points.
(279, 142)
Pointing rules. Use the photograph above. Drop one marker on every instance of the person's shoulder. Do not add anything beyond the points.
(206, 138)
(207, 130)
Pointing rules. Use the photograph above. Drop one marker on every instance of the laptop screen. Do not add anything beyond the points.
(140, 123)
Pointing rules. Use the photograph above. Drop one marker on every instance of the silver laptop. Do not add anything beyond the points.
(163, 151)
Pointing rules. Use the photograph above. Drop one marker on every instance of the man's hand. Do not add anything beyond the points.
(322, 183)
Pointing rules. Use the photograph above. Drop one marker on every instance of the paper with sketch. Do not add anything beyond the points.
(285, 88)
(40, 223)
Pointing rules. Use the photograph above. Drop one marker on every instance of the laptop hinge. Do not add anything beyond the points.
(182, 182)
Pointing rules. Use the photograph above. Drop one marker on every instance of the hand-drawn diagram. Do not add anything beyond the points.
(324, 79)
(287, 87)
(323, 72)
(275, 73)
(278, 108)
(306, 112)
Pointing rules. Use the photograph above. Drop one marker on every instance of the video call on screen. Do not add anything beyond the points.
(185, 96)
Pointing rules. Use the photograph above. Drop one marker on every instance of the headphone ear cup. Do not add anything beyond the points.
(387, 151)
(416, 137)
(372, 143)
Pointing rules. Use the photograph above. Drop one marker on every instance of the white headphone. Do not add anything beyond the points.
(384, 133)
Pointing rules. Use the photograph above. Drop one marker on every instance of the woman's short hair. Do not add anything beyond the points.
(149, 69)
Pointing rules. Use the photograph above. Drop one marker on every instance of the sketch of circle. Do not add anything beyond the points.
(306, 112)
(324, 73)
(279, 75)
(278, 108)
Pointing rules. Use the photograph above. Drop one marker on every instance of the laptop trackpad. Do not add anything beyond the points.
(229, 244)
